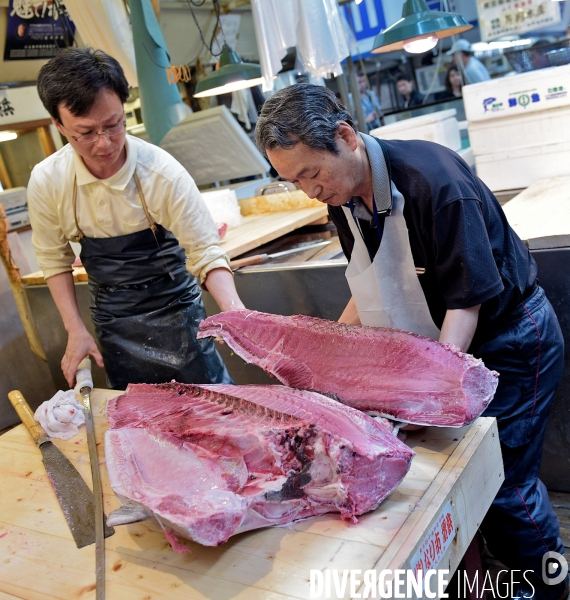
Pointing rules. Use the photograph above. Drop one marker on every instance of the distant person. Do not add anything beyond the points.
(410, 96)
(453, 83)
(371, 106)
(475, 71)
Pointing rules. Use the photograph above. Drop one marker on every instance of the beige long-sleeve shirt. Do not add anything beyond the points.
(112, 207)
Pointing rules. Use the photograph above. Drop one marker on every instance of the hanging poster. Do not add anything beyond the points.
(498, 18)
(36, 29)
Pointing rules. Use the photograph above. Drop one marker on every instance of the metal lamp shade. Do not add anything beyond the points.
(418, 22)
(232, 75)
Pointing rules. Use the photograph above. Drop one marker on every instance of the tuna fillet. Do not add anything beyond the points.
(211, 461)
(398, 374)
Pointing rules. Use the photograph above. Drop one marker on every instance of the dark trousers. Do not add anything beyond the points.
(528, 353)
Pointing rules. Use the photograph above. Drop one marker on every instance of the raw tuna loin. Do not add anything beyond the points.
(399, 374)
(211, 461)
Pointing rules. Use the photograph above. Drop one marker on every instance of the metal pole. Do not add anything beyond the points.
(351, 71)
(342, 90)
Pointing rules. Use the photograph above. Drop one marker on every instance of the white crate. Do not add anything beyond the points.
(519, 168)
(13, 198)
(440, 127)
(524, 93)
(520, 131)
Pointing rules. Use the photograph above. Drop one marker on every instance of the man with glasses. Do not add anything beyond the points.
(147, 239)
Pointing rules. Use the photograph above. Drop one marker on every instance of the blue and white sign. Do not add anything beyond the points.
(366, 20)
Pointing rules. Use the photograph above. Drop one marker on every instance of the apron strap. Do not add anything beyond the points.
(379, 224)
(143, 202)
(74, 203)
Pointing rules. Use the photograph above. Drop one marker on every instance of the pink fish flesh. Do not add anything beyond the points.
(398, 374)
(212, 461)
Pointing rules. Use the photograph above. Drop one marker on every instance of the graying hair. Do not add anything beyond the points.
(304, 113)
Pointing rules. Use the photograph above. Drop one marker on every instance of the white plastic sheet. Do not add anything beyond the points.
(105, 25)
(321, 41)
(313, 26)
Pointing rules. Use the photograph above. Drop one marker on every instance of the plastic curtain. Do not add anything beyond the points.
(313, 26)
(104, 24)
(161, 105)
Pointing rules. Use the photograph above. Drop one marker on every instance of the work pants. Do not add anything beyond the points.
(528, 352)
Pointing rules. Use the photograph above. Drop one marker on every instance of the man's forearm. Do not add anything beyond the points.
(220, 283)
(62, 290)
(459, 326)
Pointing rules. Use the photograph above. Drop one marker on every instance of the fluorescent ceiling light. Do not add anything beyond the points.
(6, 136)
(232, 75)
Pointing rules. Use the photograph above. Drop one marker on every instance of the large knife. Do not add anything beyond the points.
(84, 383)
(258, 259)
(75, 498)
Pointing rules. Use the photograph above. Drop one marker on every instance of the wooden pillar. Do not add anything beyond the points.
(4, 176)
(46, 140)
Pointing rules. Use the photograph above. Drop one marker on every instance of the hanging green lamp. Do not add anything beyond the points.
(232, 75)
(419, 29)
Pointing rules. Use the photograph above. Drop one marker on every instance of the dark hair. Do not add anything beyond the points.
(450, 70)
(74, 78)
(304, 113)
(402, 76)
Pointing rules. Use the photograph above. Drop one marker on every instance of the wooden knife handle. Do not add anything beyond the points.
(26, 415)
(256, 259)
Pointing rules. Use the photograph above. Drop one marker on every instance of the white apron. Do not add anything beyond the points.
(386, 291)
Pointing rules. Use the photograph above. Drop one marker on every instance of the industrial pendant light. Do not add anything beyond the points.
(232, 75)
(419, 29)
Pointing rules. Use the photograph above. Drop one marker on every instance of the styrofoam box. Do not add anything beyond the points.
(13, 198)
(520, 168)
(440, 127)
(519, 94)
(535, 129)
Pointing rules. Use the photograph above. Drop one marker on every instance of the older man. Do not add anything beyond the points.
(403, 207)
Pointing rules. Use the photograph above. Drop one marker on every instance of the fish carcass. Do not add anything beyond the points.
(395, 373)
(211, 461)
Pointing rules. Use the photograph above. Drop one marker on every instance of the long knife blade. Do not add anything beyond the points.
(85, 385)
(258, 259)
(73, 494)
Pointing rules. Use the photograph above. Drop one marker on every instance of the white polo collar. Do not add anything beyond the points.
(119, 180)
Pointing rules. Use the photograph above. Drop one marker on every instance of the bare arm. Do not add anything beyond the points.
(459, 326)
(80, 342)
(220, 283)
(350, 314)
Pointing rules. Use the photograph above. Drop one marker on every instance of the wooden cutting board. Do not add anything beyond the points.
(255, 231)
(40, 559)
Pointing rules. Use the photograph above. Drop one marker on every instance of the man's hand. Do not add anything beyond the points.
(79, 345)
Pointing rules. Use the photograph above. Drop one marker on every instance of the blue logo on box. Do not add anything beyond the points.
(535, 97)
(487, 102)
(512, 101)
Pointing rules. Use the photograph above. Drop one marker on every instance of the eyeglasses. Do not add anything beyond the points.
(90, 138)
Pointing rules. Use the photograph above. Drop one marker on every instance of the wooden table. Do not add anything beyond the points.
(39, 559)
(254, 231)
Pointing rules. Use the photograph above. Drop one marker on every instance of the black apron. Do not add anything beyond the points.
(146, 308)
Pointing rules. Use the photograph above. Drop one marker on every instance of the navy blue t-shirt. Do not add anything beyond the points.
(458, 233)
